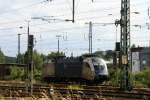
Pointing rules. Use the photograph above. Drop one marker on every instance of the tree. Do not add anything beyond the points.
(38, 60)
(133, 46)
(99, 54)
(16, 73)
(23, 58)
(55, 54)
(2, 57)
(107, 55)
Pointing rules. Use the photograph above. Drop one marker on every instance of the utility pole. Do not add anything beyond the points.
(30, 62)
(91, 24)
(58, 45)
(73, 10)
(28, 59)
(19, 61)
(29, 84)
(148, 27)
(28, 31)
(58, 36)
(90, 36)
(148, 12)
(19, 54)
(125, 45)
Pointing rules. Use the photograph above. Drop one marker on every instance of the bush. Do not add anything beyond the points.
(16, 73)
(143, 78)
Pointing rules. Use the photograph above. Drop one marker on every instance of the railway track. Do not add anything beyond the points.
(83, 92)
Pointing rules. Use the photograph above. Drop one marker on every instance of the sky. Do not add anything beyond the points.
(74, 36)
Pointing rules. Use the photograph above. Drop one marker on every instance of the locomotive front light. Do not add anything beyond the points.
(51, 90)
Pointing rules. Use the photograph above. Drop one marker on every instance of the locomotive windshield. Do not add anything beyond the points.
(98, 65)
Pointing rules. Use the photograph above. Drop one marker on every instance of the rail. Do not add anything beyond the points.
(84, 92)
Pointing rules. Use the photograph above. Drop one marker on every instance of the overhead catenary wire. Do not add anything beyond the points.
(97, 10)
(81, 12)
(30, 5)
(53, 30)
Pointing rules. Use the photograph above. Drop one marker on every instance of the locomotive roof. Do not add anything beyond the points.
(89, 55)
(70, 59)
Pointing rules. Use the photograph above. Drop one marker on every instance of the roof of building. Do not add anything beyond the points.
(140, 49)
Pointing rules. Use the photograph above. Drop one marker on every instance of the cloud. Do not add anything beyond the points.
(105, 11)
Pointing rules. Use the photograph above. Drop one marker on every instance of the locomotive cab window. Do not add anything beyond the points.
(101, 67)
(97, 64)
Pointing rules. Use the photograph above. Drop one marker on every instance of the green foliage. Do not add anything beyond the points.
(107, 55)
(133, 46)
(143, 78)
(10, 59)
(16, 73)
(1, 97)
(115, 75)
(37, 74)
(2, 57)
(38, 60)
(55, 54)
(23, 58)
(75, 87)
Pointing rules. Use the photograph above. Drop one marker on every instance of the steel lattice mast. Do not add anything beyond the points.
(125, 44)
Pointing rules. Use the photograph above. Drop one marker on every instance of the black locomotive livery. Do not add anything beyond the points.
(81, 69)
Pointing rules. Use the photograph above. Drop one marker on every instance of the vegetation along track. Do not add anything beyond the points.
(73, 91)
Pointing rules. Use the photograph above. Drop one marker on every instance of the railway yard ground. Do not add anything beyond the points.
(17, 91)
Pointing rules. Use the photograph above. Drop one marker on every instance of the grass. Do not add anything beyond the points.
(1, 97)
(74, 87)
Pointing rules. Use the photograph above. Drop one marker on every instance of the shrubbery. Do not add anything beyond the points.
(143, 78)
(16, 73)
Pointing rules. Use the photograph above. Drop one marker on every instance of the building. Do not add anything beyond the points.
(140, 58)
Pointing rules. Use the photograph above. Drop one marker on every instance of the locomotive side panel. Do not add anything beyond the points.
(87, 73)
(69, 69)
(48, 70)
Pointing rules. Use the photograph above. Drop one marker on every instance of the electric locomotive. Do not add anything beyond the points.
(82, 69)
